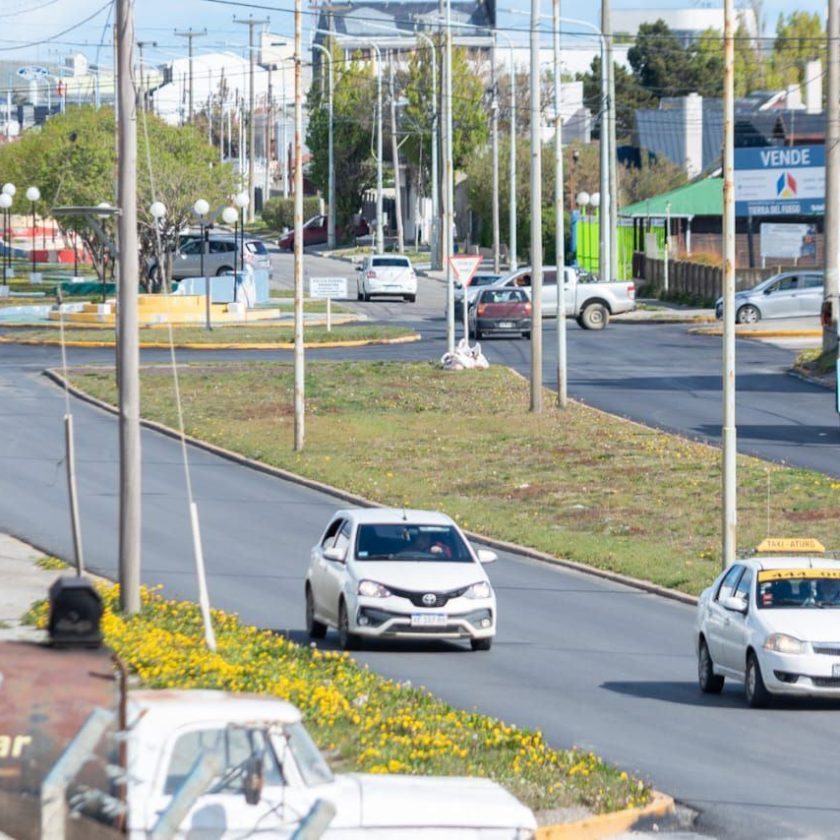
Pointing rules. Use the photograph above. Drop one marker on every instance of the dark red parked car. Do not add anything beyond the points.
(500, 310)
(315, 233)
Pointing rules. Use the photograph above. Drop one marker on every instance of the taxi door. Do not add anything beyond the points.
(734, 635)
(718, 619)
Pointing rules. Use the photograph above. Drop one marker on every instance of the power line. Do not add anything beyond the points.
(63, 31)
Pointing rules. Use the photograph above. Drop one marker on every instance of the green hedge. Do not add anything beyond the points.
(278, 213)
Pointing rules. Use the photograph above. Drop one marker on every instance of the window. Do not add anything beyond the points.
(256, 247)
(329, 536)
(786, 284)
(729, 583)
(192, 247)
(742, 591)
(310, 762)
(391, 262)
(342, 540)
(411, 543)
(813, 281)
(549, 278)
(234, 745)
(221, 246)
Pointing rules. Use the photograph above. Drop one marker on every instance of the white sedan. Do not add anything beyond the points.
(773, 623)
(395, 573)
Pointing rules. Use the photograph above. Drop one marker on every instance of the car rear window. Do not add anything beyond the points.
(504, 296)
(391, 262)
(256, 247)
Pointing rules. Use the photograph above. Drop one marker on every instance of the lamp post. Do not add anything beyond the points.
(157, 210)
(33, 194)
(582, 200)
(9, 190)
(595, 201)
(200, 209)
(331, 164)
(241, 200)
(5, 204)
(230, 216)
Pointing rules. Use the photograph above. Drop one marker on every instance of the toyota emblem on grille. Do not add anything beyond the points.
(430, 599)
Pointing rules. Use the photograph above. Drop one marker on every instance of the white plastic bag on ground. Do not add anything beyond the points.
(464, 357)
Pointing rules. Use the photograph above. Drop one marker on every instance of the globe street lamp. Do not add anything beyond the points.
(33, 194)
(5, 204)
(201, 208)
(157, 210)
(241, 201)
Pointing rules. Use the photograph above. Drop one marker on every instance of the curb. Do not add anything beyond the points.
(608, 825)
(742, 333)
(264, 345)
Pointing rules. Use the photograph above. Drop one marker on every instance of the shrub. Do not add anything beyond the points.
(279, 213)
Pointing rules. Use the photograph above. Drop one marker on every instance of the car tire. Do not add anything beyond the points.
(756, 692)
(481, 644)
(526, 335)
(315, 628)
(477, 333)
(224, 270)
(411, 298)
(346, 639)
(747, 314)
(594, 316)
(709, 681)
(359, 295)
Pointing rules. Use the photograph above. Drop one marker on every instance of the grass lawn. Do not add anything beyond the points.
(285, 297)
(579, 484)
(258, 333)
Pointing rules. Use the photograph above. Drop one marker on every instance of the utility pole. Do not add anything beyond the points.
(190, 36)
(143, 94)
(128, 348)
(395, 154)
(559, 209)
(269, 121)
(832, 178)
(330, 147)
(251, 23)
(448, 174)
(298, 269)
(494, 117)
(613, 156)
(729, 489)
(536, 215)
(604, 212)
(380, 235)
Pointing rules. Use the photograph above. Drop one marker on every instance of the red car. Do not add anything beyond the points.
(315, 233)
(500, 311)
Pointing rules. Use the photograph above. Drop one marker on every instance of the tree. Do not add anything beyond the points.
(354, 107)
(654, 176)
(72, 160)
(799, 39)
(750, 65)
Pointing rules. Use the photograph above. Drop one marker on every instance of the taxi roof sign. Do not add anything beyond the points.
(790, 545)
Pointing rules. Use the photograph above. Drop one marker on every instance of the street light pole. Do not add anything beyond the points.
(494, 120)
(33, 194)
(448, 177)
(536, 216)
(832, 179)
(299, 404)
(559, 209)
(201, 208)
(330, 151)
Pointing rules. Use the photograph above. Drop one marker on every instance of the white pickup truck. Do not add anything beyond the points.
(590, 302)
(269, 774)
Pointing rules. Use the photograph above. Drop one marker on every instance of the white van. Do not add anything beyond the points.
(386, 275)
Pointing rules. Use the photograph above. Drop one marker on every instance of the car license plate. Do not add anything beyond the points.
(835, 670)
(428, 620)
(505, 325)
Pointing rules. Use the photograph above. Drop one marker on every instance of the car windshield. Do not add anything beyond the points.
(256, 247)
(310, 762)
(798, 588)
(391, 262)
(403, 541)
(484, 279)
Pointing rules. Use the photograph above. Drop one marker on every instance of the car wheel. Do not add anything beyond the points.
(477, 333)
(756, 692)
(710, 682)
(411, 298)
(359, 295)
(224, 270)
(315, 628)
(594, 316)
(526, 335)
(747, 314)
(346, 639)
(481, 644)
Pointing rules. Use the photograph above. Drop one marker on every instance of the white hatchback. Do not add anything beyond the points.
(774, 624)
(386, 275)
(395, 573)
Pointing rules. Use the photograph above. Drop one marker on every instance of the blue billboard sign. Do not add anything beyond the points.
(780, 181)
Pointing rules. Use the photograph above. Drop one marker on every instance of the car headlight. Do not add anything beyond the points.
(782, 643)
(479, 590)
(372, 589)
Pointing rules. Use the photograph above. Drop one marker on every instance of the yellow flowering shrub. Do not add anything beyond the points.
(362, 721)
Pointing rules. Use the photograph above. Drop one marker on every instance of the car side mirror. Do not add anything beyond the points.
(252, 783)
(734, 604)
(334, 554)
(768, 291)
(485, 555)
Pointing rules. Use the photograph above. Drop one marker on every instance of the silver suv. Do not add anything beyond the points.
(220, 257)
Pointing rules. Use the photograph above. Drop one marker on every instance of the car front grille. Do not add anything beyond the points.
(826, 682)
(827, 648)
(416, 598)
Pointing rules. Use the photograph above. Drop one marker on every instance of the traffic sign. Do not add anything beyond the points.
(465, 267)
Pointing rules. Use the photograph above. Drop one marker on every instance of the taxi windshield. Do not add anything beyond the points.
(798, 589)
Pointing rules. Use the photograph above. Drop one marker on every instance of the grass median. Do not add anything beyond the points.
(256, 334)
(578, 484)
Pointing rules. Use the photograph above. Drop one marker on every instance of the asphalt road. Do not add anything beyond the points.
(590, 663)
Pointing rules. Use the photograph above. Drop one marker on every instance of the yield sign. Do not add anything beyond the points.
(465, 267)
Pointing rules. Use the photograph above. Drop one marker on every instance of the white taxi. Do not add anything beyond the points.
(396, 573)
(773, 622)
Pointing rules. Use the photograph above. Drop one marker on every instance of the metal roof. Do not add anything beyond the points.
(702, 198)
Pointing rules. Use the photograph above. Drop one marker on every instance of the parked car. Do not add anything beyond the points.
(386, 275)
(315, 232)
(500, 311)
(221, 256)
(379, 573)
(791, 294)
(590, 302)
(772, 623)
(477, 282)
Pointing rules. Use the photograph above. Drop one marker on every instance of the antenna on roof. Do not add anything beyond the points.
(405, 515)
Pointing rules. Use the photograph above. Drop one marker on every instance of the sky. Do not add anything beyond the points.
(31, 30)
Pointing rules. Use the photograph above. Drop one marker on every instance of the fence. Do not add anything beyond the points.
(697, 279)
